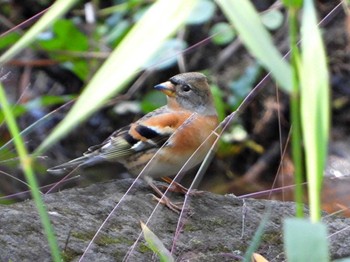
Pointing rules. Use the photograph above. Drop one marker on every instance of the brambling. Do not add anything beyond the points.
(161, 143)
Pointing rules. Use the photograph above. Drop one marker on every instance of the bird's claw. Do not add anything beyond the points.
(176, 207)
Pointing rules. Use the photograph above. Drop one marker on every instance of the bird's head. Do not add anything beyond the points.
(189, 91)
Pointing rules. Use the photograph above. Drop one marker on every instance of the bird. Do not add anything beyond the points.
(173, 138)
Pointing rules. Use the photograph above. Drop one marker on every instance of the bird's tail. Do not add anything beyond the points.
(75, 163)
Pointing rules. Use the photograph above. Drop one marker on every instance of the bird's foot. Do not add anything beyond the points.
(178, 188)
(164, 200)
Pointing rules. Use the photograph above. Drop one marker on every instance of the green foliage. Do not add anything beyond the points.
(315, 106)
(218, 101)
(165, 56)
(257, 237)
(272, 19)
(243, 85)
(222, 33)
(5, 201)
(156, 245)
(9, 39)
(30, 176)
(248, 24)
(143, 40)
(8, 157)
(203, 12)
(65, 36)
(37, 103)
(305, 241)
(152, 100)
(116, 33)
(6, 8)
(55, 11)
(293, 3)
(118, 24)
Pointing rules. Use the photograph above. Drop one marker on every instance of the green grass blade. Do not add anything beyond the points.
(56, 10)
(315, 106)
(158, 23)
(34, 126)
(29, 175)
(297, 138)
(156, 245)
(256, 38)
(257, 236)
(305, 241)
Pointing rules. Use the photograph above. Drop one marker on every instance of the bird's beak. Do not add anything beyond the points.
(167, 88)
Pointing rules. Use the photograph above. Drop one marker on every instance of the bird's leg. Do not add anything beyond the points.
(178, 188)
(163, 199)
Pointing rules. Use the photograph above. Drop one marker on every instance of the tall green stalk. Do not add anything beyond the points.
(26, 162)
(315, 105)
(297, 150)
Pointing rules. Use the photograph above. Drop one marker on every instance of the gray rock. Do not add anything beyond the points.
(215, 228)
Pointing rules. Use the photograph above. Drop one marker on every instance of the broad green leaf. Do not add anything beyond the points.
(222, 33)
(156, 245)
(152, 100)
(125, 61)
(248, 24)
(305, 241)
(243, 85)
(202, 12)
(165, 56)
(78, 67)
(218, 101)
(315, 106)
(56, 10)
(66, 36)
(272, 19)
(293, 3)
(8, 39)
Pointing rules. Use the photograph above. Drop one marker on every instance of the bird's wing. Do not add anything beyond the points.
(151, 131)
(123, 144)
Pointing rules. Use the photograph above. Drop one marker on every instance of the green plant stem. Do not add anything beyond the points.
(315, 105)
(26, 160)
(297, 150)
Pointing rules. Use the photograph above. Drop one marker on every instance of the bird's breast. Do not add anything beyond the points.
(186, 148)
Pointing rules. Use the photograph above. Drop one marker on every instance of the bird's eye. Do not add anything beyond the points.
(186, 88)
